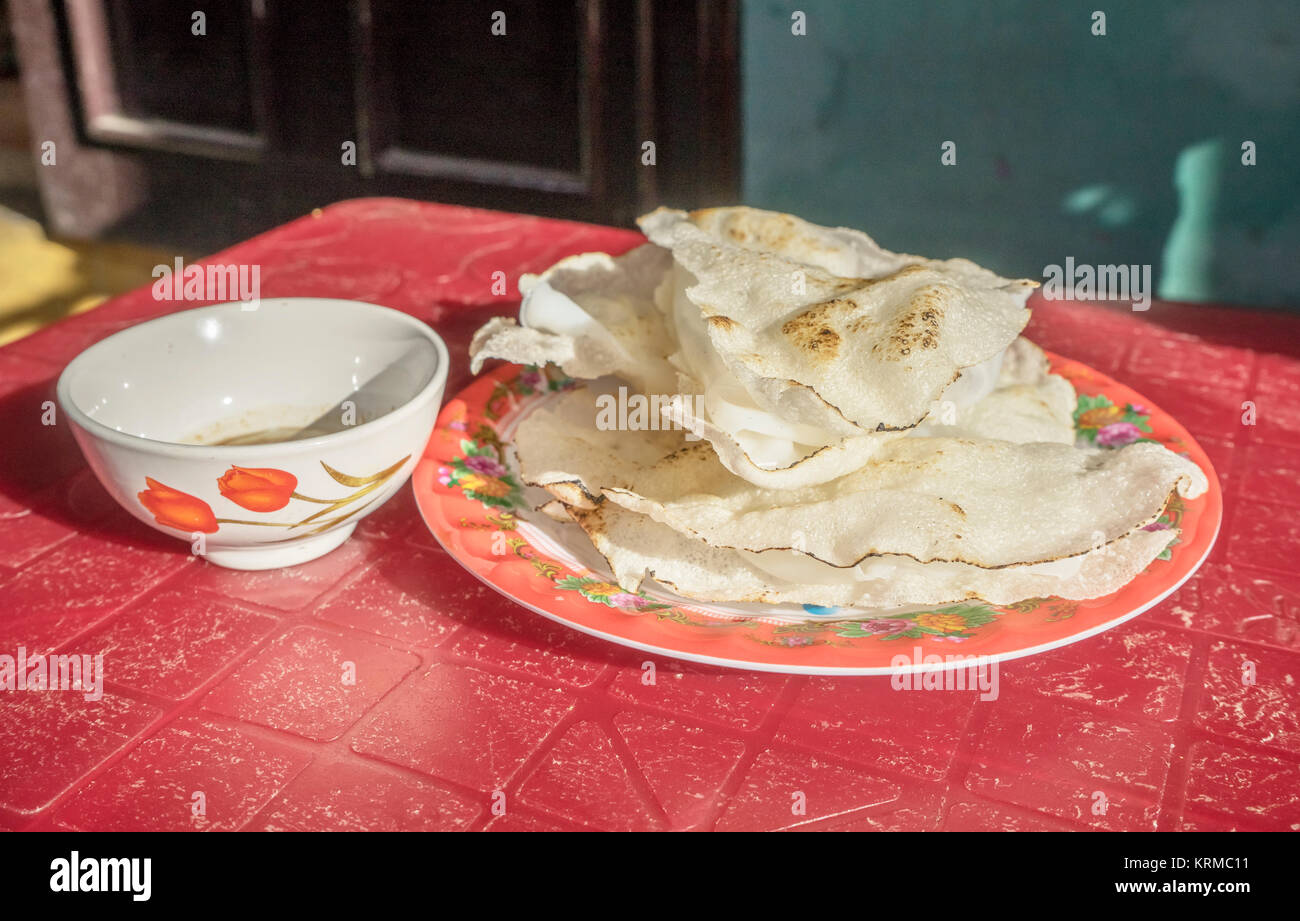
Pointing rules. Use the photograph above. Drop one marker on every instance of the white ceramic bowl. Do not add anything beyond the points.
(151, 405)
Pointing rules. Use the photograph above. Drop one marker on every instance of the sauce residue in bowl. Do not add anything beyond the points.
(276, 435)
(279, 424)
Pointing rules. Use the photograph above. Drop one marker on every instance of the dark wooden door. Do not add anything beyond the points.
(203, 130)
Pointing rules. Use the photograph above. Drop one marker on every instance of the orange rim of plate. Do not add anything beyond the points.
(474, 513)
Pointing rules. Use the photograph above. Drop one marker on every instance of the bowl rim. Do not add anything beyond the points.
(353, 433)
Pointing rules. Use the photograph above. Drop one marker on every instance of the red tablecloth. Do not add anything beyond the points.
(227, 684)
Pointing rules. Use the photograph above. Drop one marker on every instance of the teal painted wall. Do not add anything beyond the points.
(1068, 144)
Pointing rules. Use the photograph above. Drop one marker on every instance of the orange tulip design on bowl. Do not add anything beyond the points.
(258, 489)
(175, 509)
(261, 490)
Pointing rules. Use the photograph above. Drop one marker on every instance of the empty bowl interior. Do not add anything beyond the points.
(297, 367)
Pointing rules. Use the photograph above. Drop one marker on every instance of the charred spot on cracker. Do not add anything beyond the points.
(810, 332)
(918, 327)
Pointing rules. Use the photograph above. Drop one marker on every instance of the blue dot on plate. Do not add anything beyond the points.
(818, 609)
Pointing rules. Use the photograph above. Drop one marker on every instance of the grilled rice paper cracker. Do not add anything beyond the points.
(981, 502)
(818, 465)
(1023, 363)
(591, 315)
(842, 354)
(637, 547)
(561, 448)
(1029, 404)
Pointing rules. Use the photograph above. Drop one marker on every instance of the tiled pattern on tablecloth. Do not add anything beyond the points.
(225, 705)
